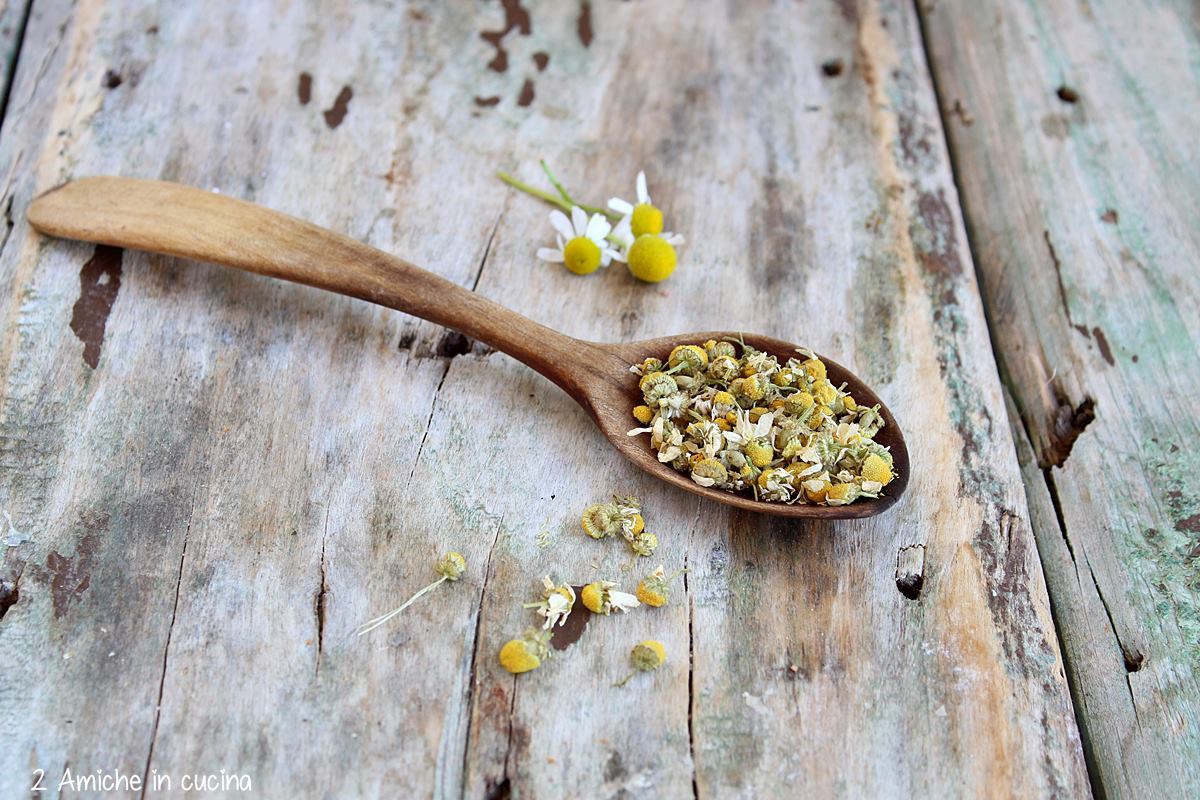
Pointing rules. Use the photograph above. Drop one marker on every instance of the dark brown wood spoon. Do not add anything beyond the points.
(191, 223)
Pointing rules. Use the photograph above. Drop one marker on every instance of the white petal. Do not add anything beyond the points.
(620, 206)
(623, 600)
(702, 480)
(673, 239)
(643, 195)
(605, 257)
(637, 431)
(561, 224)
(579, 220)
(597, 228)
(550, 254)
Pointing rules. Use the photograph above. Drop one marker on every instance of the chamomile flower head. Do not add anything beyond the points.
(451, 566)
(556, 603)
(652, 258)
(653, 589)
(640, 218)
(644, 544)
(526, 653)
(645, 656)
(582, 244)
(600, 597)
(875, 468)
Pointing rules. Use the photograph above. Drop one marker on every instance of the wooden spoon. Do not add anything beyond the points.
(190, 223)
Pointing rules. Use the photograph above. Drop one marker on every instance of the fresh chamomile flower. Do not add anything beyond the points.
(651, 258)
(556, 603)
(643, 217)
(645, 656)
(450, 566)
(526, 653)
(582, 244)
(599, 597)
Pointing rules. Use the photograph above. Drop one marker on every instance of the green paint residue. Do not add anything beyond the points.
(1168, 558)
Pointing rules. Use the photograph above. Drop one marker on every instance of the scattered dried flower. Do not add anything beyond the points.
(599, 598)
(646, 656)
(450, 566)
(556, 603)
(526, 653)
(654, 589)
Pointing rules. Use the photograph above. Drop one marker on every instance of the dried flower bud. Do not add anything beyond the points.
(451, 566)
(599, 598)
(526, 653)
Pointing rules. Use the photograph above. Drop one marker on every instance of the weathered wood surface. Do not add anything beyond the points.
(223, 475)
(1081, 188)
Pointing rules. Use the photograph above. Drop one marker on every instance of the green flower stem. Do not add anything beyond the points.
(554, 182)
(563, 202)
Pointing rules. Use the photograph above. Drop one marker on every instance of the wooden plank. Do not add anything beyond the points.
(1072, 127)
(250, 469)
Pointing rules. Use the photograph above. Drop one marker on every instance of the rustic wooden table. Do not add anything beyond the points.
(987, 210)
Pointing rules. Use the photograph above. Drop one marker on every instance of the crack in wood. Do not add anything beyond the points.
(1062, 286)
(10, 75)
(487, 249)
(162, 681)
(691, 600)
(322, 593)
(471, 678)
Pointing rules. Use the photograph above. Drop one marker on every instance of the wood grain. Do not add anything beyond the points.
(1073, 134)
(252, 469)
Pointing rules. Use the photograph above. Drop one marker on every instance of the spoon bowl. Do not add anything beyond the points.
(177, 220)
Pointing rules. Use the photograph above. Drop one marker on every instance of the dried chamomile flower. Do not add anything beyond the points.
(875, 468)
(526, 653)
(582, 244)
(556, 603)
(643, 544)
(622, 516)
(600, 598)
(654, 588)
(450, 566)
(739, 419)
(646, 656)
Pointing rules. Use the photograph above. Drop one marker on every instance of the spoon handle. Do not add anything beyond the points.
(178, 220)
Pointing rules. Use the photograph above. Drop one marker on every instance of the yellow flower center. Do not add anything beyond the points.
(645, 219)
(651, 259)
(516, 657)
(593, 597)
(874, 468)
(581, 255)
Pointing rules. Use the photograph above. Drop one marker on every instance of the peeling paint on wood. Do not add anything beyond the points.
(1080, 191)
